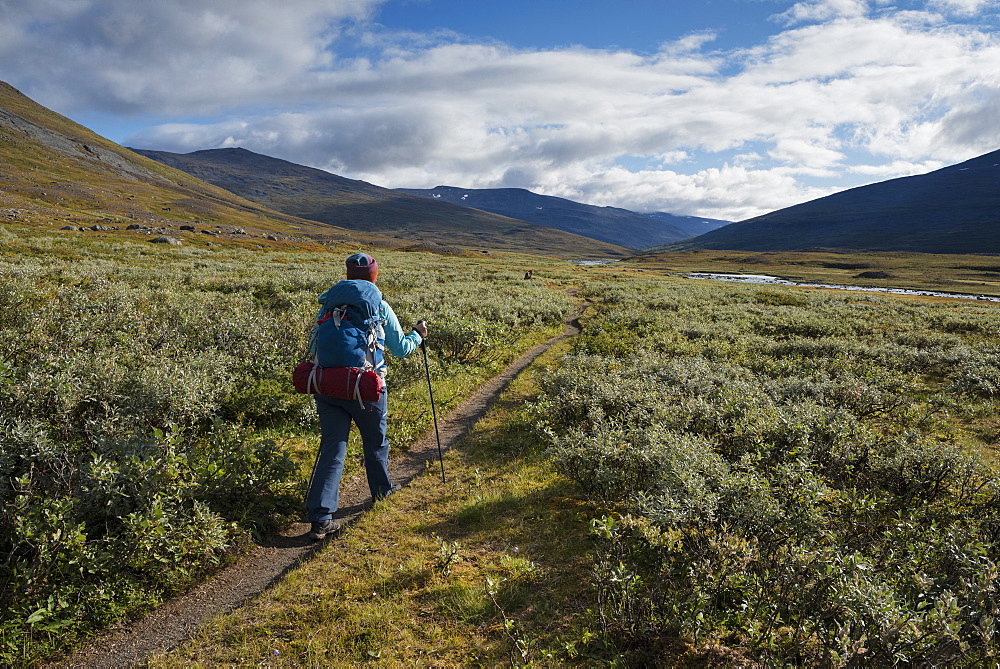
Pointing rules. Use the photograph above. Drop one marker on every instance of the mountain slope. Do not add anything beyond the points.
(321, 196)
(952, 210)
(57, 171)
(609, 224)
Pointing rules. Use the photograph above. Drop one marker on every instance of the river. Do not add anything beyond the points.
(765, 279)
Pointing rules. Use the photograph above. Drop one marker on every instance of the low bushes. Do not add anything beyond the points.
(92, 531)
(786, 493)
(137, 394)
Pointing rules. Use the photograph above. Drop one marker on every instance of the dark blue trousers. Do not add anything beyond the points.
(335, 417)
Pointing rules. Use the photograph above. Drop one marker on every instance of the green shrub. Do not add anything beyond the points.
(133, 388)
(776, 489)
(465, 340)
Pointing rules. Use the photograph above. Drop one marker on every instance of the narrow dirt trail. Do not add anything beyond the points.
(129, 644)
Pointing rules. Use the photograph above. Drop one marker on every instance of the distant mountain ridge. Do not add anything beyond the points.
(609, 224)
(318, 195)
(693, 226)
(955, 209)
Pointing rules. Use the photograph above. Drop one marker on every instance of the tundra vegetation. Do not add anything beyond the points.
(148, 428)
(792, 477)
(708, 474)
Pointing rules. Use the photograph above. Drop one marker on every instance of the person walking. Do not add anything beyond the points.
(336, 415)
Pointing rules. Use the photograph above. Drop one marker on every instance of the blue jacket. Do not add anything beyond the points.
(399, 344)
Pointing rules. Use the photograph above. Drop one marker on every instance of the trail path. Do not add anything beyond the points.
(129, 644)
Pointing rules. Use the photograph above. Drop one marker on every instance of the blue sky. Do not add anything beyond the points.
(637, 25)
(719, 108)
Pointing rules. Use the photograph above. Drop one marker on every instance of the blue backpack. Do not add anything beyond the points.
(348, 330)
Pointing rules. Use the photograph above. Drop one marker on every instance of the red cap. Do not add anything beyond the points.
(362, 266)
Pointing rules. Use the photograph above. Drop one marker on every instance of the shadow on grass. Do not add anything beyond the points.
(523, 534)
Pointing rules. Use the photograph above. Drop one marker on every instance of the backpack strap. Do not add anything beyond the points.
(337, 314)
(313, 385)
(357, 390)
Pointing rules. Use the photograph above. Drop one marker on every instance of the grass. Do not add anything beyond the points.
(489, 568)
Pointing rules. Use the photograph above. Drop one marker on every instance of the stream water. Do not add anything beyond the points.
(765, 279)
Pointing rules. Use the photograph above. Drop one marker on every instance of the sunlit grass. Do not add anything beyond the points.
(794, 475)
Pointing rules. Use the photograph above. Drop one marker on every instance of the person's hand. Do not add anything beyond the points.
(421, 328)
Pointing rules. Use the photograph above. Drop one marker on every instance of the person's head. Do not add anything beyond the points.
(362, 266)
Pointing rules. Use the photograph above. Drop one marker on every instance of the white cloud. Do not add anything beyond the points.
(848, 84)
(822, 10)
(897, 168)
(963, 7)
(169, 55)
(728, 192)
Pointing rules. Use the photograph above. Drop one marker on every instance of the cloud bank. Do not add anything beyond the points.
(844, 92)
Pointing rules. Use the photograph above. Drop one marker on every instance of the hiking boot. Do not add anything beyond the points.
(321, 528)
(385, 494)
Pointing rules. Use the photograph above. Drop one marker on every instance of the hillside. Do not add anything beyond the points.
(56, 171)
(952, 210)
(357, 205)
(609, 224)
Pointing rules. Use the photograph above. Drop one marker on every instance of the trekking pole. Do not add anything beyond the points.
(430, 391)
(312, 477)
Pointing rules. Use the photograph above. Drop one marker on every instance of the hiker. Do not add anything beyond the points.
(335, 415)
